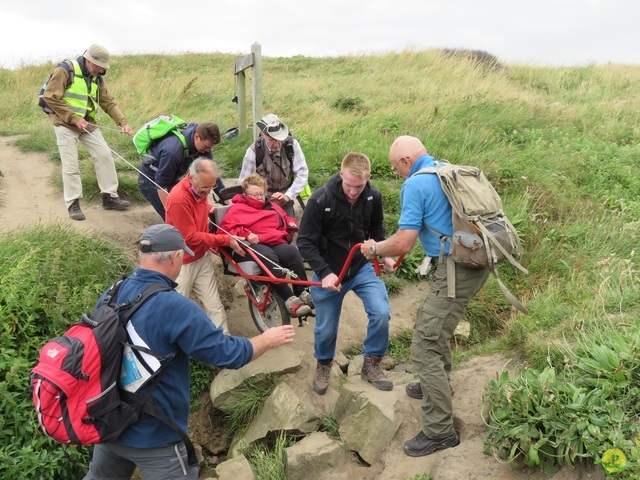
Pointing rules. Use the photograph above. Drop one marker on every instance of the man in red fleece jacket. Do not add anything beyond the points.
(188, 210)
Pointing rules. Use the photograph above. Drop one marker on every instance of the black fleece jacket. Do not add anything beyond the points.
(330, 227)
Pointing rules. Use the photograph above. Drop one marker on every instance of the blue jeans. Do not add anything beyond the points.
(150, 191)
(373, 293)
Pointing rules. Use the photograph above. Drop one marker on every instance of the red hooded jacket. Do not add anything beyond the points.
(267, 220)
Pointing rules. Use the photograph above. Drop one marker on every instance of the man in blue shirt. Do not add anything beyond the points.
(423, 205)
(174, 327)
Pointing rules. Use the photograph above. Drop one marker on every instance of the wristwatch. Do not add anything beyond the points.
(372, 249)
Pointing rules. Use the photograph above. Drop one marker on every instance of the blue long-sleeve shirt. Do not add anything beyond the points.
(171, 323)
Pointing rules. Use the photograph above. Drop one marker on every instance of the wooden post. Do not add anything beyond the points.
(253, 61)
(241, 96)
(256, 86)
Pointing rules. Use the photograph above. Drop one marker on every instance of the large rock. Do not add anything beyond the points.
(237, 468)
(462, 331)
(368, 418)
(317, 456)
(279, 361)
(285, 410)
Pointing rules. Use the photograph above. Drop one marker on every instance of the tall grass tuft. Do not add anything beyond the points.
(249, 400)
(270, 462)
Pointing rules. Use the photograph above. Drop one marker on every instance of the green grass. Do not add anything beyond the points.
(269, 462)
(248, 401)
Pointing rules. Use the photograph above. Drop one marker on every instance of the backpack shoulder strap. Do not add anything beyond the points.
(148, 406)
(288, 148)
(68, 66)
(259, 151)
(129, 308)
(179, 132)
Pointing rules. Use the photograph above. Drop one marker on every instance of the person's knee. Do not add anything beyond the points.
(381, 315)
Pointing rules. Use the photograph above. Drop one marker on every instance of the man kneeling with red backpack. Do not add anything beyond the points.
(167, 329)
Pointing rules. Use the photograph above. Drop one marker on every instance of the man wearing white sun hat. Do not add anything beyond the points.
(277, 157)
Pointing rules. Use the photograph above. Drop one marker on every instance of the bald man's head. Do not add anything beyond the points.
(404, 151)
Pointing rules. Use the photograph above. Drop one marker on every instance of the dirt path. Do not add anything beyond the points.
(28, 198)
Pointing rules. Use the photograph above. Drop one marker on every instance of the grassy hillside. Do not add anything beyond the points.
(559, 144)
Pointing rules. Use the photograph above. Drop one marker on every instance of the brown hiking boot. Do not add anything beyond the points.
(74, 211)
(114, 203)
(372, 372)
(321, 382)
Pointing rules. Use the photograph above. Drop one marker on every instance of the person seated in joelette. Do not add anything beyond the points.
(267, 228)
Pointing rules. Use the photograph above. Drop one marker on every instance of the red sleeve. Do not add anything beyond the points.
(184, 217)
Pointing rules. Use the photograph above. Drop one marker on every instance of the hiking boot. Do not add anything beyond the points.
(421, 445)
(372, 372)
(74, 211)
(296, 307)
(414, 391)
(306, 298)
(321, 381)
(114, 203)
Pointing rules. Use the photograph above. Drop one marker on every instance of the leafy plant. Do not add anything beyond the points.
(201, 377)
(411, 261)
(551, 419)
(331, 426)
(44, 288)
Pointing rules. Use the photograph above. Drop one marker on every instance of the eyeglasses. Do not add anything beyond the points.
(256, 195)
(394, 168)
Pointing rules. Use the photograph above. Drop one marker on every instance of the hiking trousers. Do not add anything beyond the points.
(197, 280)
(436, 320)
(113, 461)
(97, 147)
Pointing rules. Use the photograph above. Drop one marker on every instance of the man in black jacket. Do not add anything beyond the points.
(167, 161)
(346, 211)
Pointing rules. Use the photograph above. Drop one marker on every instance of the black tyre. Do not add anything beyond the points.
(276, 312)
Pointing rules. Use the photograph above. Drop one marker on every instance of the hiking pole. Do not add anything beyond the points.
(102, 127)
(129, 163)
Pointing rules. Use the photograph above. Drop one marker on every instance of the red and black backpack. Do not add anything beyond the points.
(75, 385)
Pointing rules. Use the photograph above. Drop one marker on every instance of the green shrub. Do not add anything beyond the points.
(549, 419)
(48, 278)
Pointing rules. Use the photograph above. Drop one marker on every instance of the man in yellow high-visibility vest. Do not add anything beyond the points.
(73, 94)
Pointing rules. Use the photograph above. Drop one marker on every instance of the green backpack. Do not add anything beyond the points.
(158, 128)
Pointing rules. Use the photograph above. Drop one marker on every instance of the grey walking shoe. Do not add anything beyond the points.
(306, 298)
(74, 211)
(421, 445)
(321, 381)
(114, 203)
(372, 373)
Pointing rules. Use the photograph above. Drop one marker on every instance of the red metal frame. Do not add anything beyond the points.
(269, 278)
